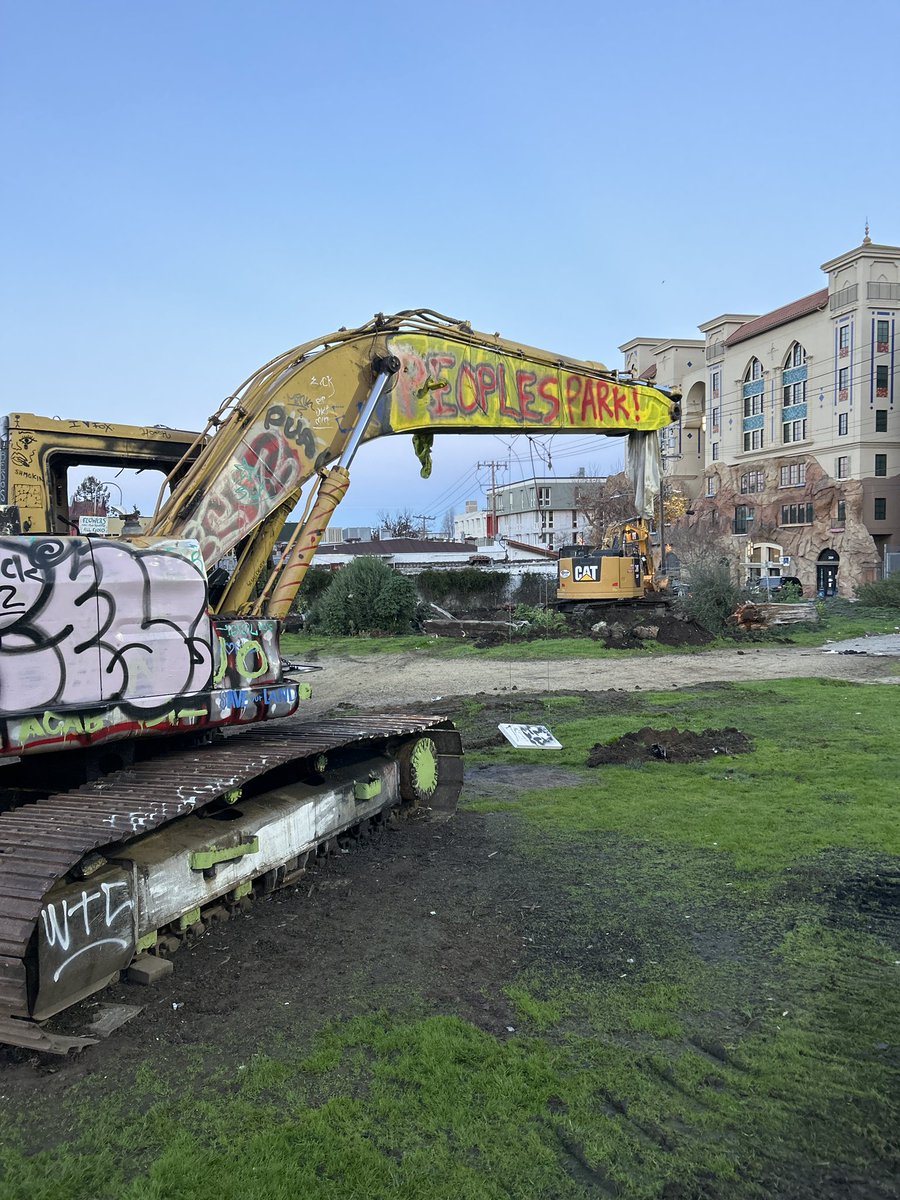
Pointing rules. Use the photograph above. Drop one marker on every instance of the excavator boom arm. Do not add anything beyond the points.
(303, 410)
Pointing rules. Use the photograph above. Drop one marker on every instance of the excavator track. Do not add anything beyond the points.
(75, 874)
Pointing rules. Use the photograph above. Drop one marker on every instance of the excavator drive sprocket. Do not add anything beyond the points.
(431, 772)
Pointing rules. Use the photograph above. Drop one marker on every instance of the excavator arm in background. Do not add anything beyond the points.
(416, 372)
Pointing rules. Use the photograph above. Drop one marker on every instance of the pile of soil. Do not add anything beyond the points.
(676, 632)
(669, 745)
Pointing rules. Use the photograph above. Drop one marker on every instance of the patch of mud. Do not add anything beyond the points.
(669, 745)
(508, 781)
(874, 898)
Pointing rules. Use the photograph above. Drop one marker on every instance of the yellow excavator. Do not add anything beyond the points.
(129, 814)
(621, 570)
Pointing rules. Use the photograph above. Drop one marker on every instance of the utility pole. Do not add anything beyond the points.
(423, 517)
(662, 519)
(493, 464)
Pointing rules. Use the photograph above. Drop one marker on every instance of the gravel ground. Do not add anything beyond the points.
(391, 679)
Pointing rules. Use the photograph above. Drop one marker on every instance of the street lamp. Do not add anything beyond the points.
(110, 483)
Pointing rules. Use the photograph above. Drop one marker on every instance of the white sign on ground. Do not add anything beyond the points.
(530, 737)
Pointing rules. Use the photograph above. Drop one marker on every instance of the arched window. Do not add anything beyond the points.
(794, 374)
(754, 393)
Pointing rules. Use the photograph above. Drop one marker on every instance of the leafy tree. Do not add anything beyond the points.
(675, 504)
(713, 597)
(316, 582)
(91, 491)
(367, 597)
(705, 557)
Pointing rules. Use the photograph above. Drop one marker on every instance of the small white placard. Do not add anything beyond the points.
(93, 524)
(530, 737)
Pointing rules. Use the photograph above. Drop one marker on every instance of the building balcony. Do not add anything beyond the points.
(847, 295)
(715, 350)
(882, 291)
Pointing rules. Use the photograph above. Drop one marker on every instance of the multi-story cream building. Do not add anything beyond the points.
(789, 441)
(545, 511)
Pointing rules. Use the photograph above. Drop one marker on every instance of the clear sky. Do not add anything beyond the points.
(191, 187)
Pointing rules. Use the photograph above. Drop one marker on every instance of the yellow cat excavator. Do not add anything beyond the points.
(621, 570)
(130, 815)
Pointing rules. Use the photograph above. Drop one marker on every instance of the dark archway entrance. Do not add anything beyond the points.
(826, 573)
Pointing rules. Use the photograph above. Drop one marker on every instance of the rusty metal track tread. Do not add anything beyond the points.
(30, 1036)
(41, 841)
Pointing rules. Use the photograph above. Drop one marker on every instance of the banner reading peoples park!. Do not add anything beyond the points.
(448, 386)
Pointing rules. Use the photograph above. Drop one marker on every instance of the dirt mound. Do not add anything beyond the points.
(676, 632)
(668, 745)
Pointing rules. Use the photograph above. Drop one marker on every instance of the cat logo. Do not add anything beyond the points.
(585, 571)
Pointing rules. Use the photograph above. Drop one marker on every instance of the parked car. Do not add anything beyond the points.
(775, 585)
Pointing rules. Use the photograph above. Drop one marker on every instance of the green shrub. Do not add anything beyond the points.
(714, 596)
(542, 620)
(367, 597)
(469, 588)
(315, 583)
(884, 593)
(534, 589)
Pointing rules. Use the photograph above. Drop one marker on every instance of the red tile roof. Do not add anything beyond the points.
(780, 316)
(650, 373)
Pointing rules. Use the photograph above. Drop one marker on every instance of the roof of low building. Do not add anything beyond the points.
(779, 316)
(539, 551)
(385, 547)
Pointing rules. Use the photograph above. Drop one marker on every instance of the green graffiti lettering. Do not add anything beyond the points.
(240, 659)
(30, 729)
(223, 660)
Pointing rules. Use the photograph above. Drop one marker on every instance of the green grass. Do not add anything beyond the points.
(708, 1011)
(298, 646)
(839, 620)
(824, 763)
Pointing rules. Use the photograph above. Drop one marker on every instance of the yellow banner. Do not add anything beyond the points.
(443, 385)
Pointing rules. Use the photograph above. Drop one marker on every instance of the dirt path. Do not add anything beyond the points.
(412, 678)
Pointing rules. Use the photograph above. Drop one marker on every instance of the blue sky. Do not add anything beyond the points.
(191, 188)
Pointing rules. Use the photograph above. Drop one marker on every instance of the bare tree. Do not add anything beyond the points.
(447, 528)
(699, 540)
(399, 524)
(606, 503)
